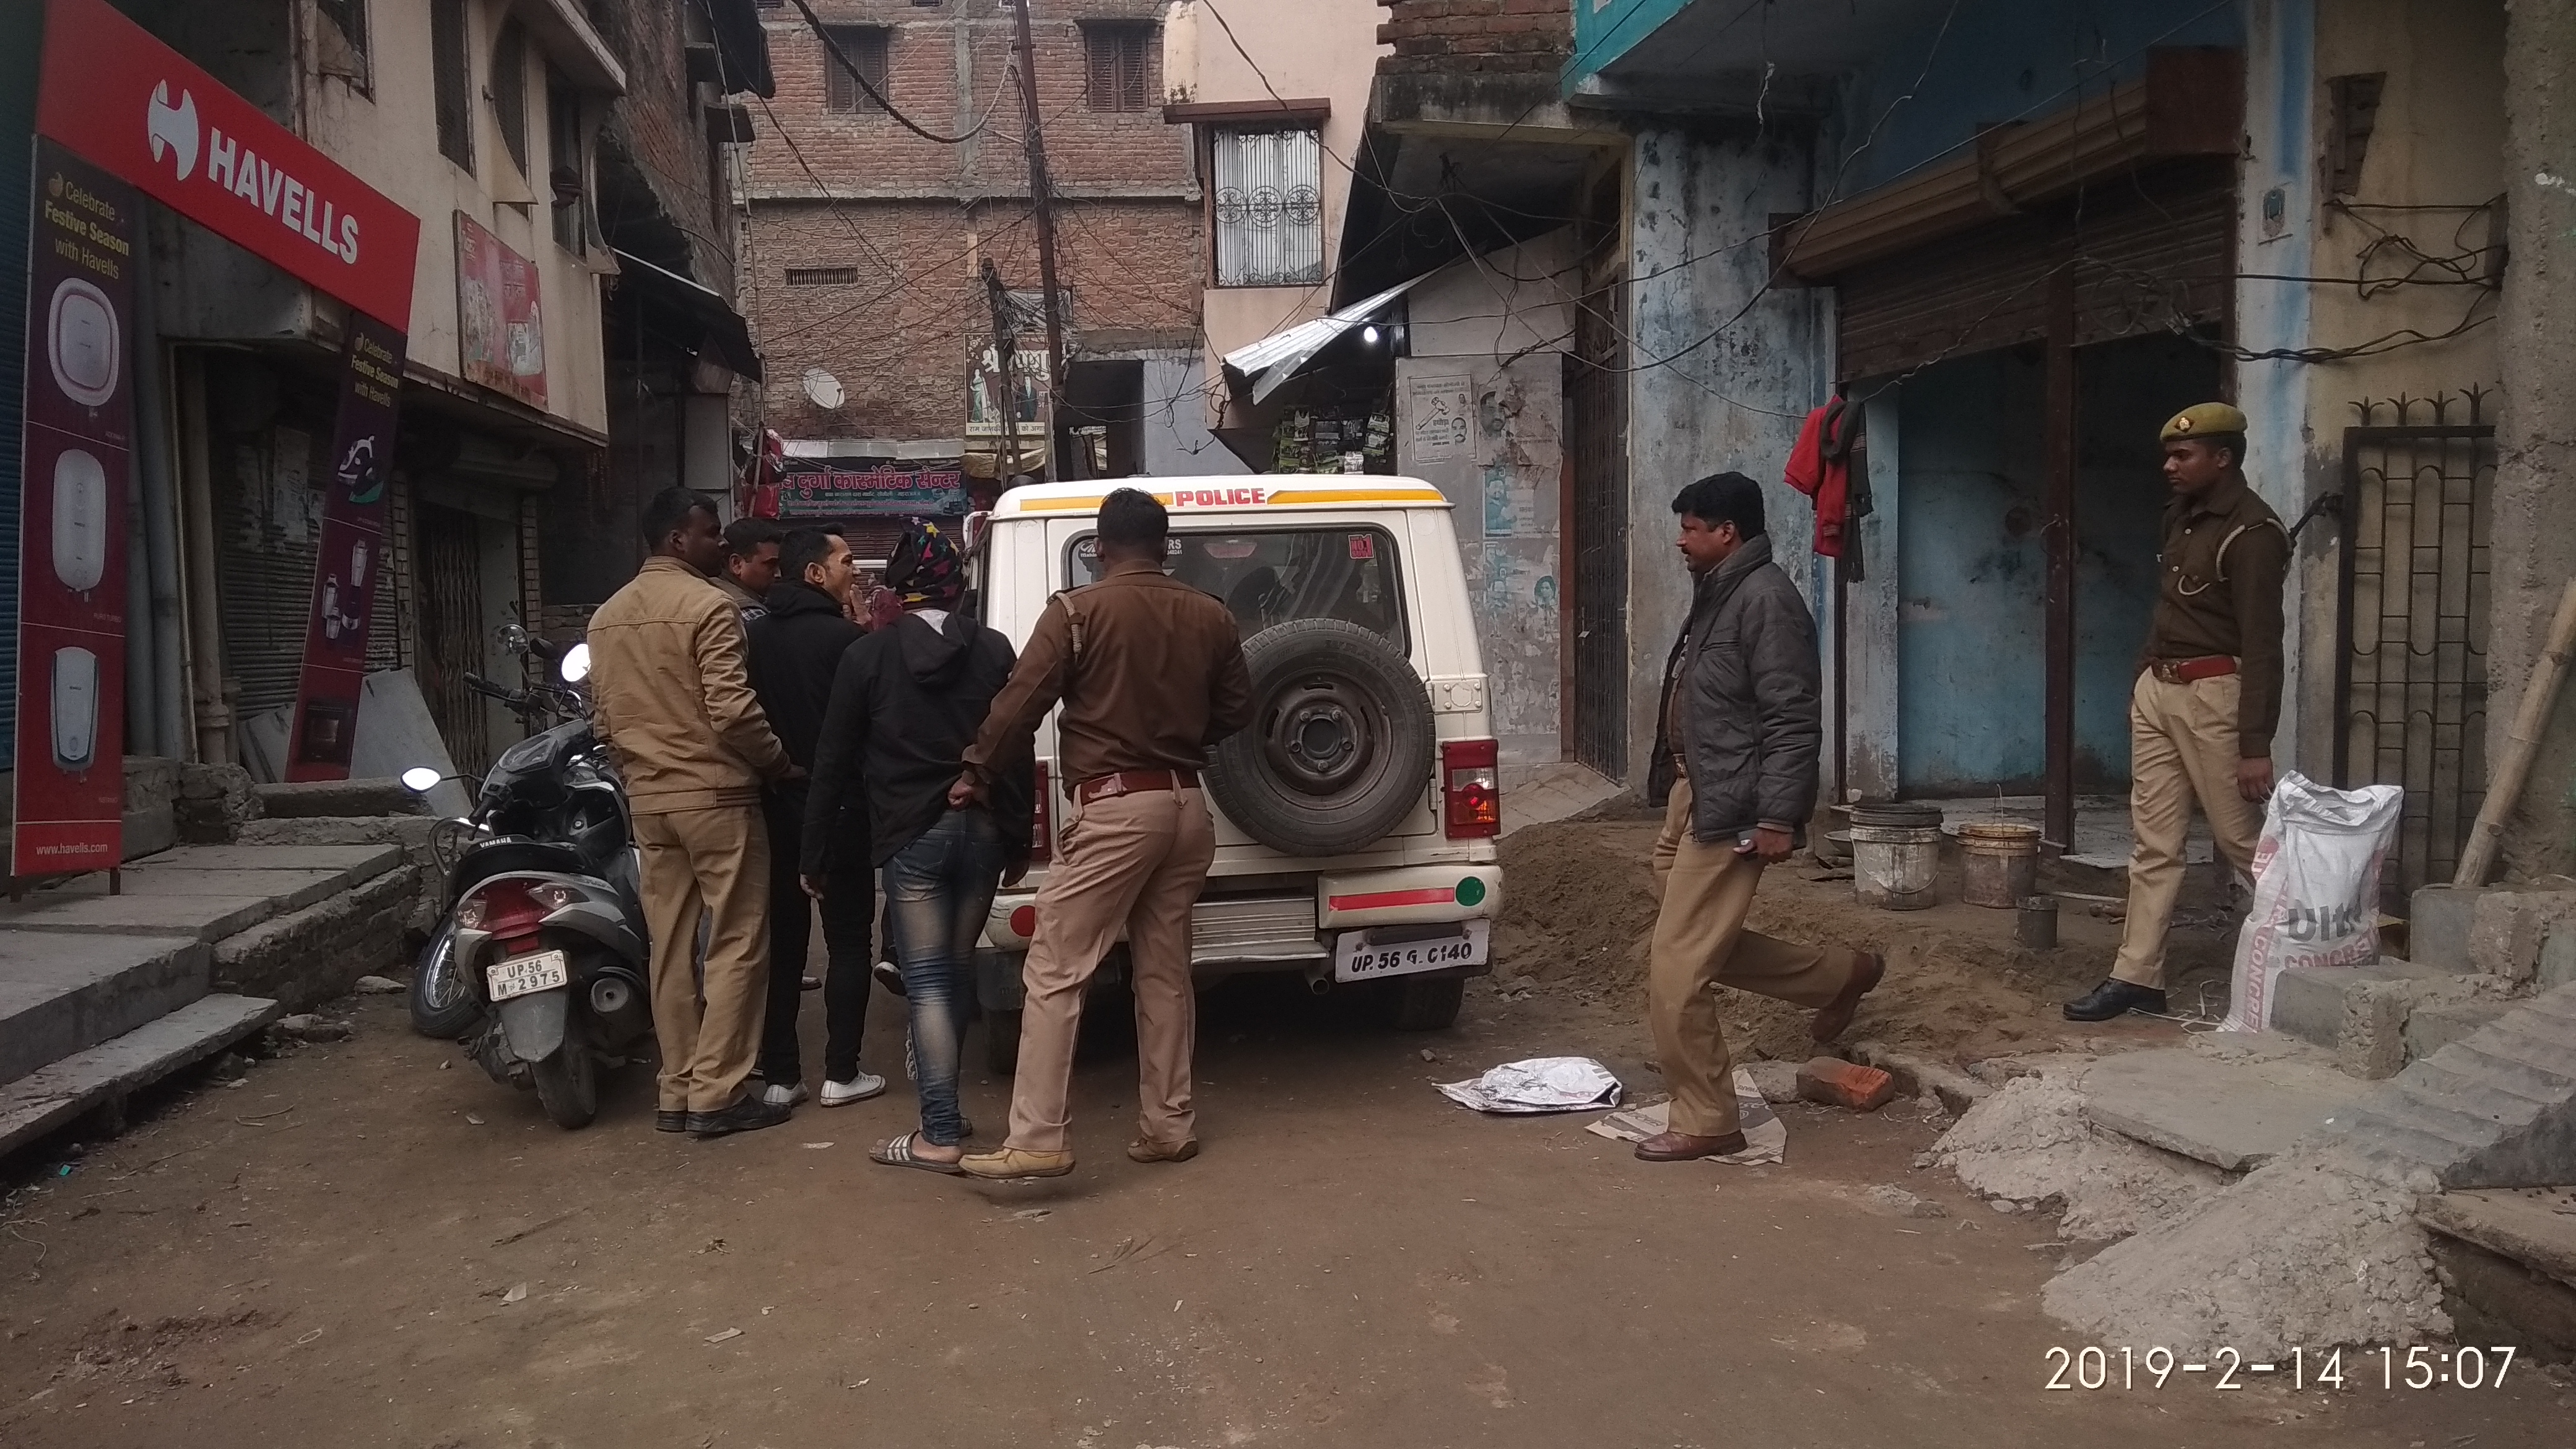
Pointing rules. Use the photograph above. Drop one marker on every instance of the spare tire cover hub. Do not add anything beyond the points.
(1322, 739)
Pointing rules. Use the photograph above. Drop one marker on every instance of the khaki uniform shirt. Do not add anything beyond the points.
(2219, 593)
(1156, 678)
(672, 696)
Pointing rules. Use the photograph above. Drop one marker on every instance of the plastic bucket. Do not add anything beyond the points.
(1893, 866)
(1999, 865)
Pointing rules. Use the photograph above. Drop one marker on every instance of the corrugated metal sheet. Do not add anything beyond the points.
(2152, 251)
(268, 522)
(1269, 208)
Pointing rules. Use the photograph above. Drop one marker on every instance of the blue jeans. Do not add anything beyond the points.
(938, 890)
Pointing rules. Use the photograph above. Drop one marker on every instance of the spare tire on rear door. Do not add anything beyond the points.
(1339, 749)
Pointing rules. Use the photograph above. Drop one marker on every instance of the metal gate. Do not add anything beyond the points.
(1597, 436)
(2411, 669)
(450, 585)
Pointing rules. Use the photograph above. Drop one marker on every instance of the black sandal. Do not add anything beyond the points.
(897, 1152)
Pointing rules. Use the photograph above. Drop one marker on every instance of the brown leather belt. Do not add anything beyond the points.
(1134, 782)
(2184, 671)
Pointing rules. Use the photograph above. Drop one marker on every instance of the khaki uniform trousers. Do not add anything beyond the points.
(1700, 942)
(2182, 743)
(716, 859)
(1133, 862)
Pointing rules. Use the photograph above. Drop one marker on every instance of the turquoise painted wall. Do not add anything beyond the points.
(1605, 30)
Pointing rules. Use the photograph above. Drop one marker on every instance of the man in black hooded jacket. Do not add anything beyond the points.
(906, 703)
(795, 647)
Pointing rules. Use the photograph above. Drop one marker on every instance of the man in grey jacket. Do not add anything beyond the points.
(1735, 767)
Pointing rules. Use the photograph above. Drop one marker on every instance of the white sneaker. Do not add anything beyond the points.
(783, 1094)
(856, 1089)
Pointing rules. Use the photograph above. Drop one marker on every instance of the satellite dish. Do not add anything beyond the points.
(823, 388)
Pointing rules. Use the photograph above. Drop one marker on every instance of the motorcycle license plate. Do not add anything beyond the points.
(521, 975)
(1356, 958)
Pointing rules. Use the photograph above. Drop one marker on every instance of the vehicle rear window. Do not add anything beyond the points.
(1272, 575)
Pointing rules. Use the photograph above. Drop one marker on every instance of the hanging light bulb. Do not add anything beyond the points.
(1368, 334)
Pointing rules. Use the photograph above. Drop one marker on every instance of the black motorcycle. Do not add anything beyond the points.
(540, 966)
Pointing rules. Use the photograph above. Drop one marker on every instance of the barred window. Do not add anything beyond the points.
(822, 276)
(1269, 208)
(865, 45)
(1119, 62)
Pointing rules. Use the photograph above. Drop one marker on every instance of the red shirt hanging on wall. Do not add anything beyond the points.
(1820, 467)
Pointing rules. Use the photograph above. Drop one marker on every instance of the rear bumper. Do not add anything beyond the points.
(1295, 930)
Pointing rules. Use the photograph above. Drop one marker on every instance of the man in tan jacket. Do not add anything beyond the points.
(672, 697)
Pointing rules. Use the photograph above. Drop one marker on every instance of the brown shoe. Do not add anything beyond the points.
(1004, 1164)
(1146, 1149)
(1836, 1017)
(1683, 1147)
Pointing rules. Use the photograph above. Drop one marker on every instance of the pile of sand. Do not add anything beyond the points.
(1579, 910)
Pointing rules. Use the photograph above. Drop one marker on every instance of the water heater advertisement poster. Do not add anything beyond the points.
(70, 777)
(354, 553)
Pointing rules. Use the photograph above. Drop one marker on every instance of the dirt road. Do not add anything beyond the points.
(359, 1247)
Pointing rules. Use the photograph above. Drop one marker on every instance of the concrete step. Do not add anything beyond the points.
(2361, 1012)
(2525, 1139)
(309, 956)
(2234, 1105)
(204, 891)
(2432, 1026)
(2507, 1261)
(60, 994)
(105, 1074)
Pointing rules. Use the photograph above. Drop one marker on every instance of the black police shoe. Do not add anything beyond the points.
(750, 1114)
(2115, 997)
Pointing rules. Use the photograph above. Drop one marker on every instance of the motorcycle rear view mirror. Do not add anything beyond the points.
(576, 664)
(421, 779)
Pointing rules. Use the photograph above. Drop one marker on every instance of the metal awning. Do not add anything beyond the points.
(1268, 364)
(725, 333)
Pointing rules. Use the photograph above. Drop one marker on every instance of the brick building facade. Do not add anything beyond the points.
(867, 239)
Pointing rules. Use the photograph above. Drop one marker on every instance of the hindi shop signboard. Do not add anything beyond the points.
(822, 493)
(501, 331)
(120, 117)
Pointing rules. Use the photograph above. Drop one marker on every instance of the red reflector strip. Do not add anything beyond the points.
(1380, 900)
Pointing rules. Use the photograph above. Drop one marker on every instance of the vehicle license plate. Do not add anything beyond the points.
(1355, 958)
(523, 974)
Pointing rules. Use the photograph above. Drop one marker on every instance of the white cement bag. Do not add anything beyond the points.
(2316, 888)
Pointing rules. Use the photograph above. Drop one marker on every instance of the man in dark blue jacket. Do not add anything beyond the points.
(796, 644)
(905, 705)
(1736, 749)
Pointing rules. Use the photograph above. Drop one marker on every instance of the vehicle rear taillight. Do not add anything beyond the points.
(506, 909)
(1471, 790)
(1042, 821)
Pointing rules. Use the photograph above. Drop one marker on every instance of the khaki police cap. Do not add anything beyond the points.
(2200, 420)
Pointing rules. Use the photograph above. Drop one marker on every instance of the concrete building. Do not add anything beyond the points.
(2017, 266)
(870, 242)
(567, 147)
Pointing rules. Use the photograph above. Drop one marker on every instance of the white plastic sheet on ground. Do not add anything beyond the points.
(2316, 888)
(1540, 1084)
(1766, 1137)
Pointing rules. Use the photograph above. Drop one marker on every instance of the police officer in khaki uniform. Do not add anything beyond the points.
(2208, 693)
(1151, 674)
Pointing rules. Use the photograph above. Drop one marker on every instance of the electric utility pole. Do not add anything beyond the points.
(1006, 347)
(1042, 199)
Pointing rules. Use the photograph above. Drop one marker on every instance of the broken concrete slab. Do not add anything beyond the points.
(2432, 1026)
(2558, 958)
(2509, 927)
(60, 994)
(2437, 925)
(104, 1074)
(2028, 1144)
(2357, 1012)
(2496, 1108)
(2234, 1113)
(2535, 1227)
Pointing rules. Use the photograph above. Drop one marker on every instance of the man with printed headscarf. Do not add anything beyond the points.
(906, 703)
(2208, 692)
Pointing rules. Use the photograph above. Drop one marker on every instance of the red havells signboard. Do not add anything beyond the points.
(70, 776)
(143, 112)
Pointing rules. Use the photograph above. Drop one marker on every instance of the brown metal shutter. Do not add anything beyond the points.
(2153, 251)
